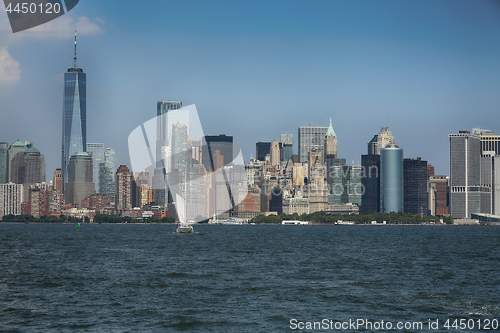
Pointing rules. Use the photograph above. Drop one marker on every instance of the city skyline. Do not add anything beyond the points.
(428, 73)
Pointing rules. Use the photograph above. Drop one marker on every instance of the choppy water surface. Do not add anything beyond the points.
(146, 278)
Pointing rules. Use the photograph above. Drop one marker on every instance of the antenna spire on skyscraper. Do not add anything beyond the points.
(74, 65)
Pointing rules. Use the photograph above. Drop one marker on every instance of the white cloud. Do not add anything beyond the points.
(9, 68)
(60, 28)
(63, 27)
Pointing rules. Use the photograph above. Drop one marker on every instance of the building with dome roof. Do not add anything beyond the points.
(27, 167)
(14, 149)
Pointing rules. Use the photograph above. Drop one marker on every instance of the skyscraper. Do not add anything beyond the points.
(286, 141)
(370, 199)
(57, 180)
(415, 186)
(14, 149)
(96, 152)
(380, 140)
(275, 153)
(179, 146)
(262, 149)
(4, 162)
(317, 191)
(28, 168)
(123, 189)
(223, 143)
(163, 126)
(80, 181)
(74, 131)
(490, 178)
(465, 174)
(311, 138)
(10, 199)
(107, 174)
(164, 153)
(391, 179)
(330, 142)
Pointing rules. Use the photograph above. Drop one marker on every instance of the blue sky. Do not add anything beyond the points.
(258, 69)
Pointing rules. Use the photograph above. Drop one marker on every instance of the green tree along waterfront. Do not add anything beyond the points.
(99, 218)
(324, 218)
(318, 217)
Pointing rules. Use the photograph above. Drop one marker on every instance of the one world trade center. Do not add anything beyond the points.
(74, 127)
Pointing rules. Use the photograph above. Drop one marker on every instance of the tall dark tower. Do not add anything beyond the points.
(74, 127)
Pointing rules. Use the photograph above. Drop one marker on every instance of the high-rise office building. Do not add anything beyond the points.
(28, 168)
(317, 190)
(74, 131)
(286, 141)
(179, 146)
(391, 179)
(4, 162)
(489, 141)
(163, 107)
(164, 125)
(96, 152)
(490, 178)
(312, 156)
(466, 191)
(370, 199)
(38, 201)
(311, 138)
(286, 152)
(223, 143)
(262, 149)
(345, 186)
(14, 149)
(57, 180)
(31, 167)
(10, 199)
(275, 152)
(80, 180)
(380, 140)
(330, 142)
(123, 189)
(438, 195)
(415, 186)
(107, 174)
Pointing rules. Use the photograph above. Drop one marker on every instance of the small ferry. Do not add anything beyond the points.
(294, 222)
(340, 222)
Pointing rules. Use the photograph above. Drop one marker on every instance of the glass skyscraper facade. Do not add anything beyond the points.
(311, 138)
(74, 132)
(223, 143)
(107, 174)
(96, 152)
(465, 174)
(4, 162)
(391, 179)
(415, 186)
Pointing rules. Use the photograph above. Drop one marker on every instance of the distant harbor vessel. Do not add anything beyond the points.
(340, 222)
(294, 222)
(228, 221)
(184, 226)
(185, 229)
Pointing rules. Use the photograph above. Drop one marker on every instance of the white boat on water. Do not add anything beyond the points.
(294, 222)
(185, 229)
(184, 226)
(227, 221)
(340, 222)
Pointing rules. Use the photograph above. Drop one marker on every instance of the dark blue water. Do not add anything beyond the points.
(145, 278)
